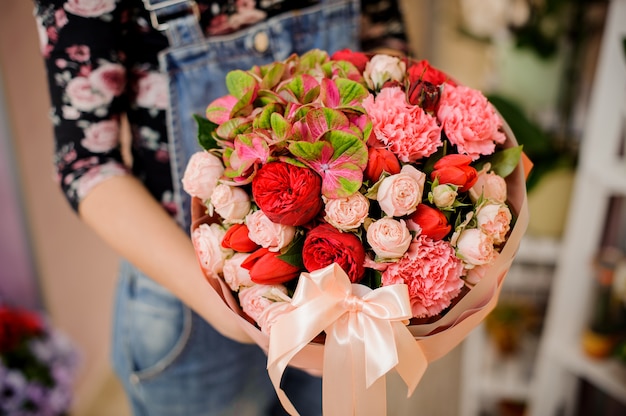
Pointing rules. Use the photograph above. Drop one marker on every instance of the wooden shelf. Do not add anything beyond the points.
(608, 374)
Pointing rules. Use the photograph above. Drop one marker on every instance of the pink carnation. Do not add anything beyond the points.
(469, 121)
(432, 272)
(405, 129)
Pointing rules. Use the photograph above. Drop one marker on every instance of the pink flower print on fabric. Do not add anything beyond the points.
(89, 8)
(152, 91)
(101, 137)
(85, 183)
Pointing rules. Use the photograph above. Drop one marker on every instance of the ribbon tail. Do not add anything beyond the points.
(373, 400)
(412, 361)
(338, 381)
(345, 388)
(275, 372)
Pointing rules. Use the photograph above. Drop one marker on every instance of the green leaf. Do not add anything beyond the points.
(292, 254)
(503, 162)
(312, 59)
(351, 92)
(206, 130)
(273, 75)
(280, 126)
(233, 127)
(239, 83)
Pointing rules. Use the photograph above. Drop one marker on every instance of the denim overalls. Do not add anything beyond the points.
(170, 361)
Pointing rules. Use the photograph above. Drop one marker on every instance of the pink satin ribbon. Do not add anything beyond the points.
(366, 337)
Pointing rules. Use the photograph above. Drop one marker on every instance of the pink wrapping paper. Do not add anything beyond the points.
(343, 353)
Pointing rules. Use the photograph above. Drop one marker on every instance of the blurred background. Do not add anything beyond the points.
(555, 69)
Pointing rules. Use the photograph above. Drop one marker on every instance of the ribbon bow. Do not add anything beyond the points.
(366, 337)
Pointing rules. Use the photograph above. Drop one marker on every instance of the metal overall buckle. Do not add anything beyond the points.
(162, 12)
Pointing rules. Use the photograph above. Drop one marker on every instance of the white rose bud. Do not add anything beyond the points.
(444, 195)
(383, 68)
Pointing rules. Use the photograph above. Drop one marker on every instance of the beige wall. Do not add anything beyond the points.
(76, 271)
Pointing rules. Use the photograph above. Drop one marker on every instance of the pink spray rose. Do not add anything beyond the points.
(347, 213)
(469, 121)
(474, 247)
(271, 313)
(432, 273)
(477, 273)
(490, 186)
(201, 175)
(389, 238)
(255, 299)
(494, 219)
(207, 241)
(231, 203)
(268, 234)
(101, 137)
(235, 276)
(400, 194)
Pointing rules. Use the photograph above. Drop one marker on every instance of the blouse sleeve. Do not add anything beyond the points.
(79, 42)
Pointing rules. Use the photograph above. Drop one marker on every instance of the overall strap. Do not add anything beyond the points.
(178, 19)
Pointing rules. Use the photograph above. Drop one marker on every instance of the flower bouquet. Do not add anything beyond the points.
(357, 213)
(37, 365)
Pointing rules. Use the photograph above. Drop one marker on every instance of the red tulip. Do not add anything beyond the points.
(379, 160)
(267, 269)
(236, 238)
(432, 222)
(455, 169)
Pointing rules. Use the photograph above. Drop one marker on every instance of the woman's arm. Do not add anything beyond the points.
(127, 217)
(90, 72)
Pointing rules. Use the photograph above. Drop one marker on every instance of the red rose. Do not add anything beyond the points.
(422, 71)
(325, 245)
(432, 222)
(267, 269)
(236, 238)
(287, 194)
(455, 169)
(357, 59)
(379, 160)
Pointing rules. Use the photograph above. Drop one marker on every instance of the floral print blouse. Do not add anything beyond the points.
(101, 62)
